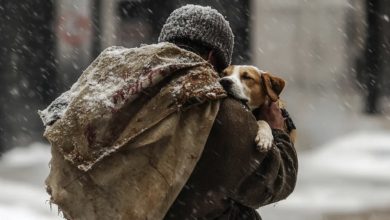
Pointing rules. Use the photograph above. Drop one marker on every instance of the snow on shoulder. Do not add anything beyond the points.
(85, 114)
(118, 76)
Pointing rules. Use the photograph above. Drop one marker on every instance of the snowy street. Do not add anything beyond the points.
(345, 177)
(22, 174)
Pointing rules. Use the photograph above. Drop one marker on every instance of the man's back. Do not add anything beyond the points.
(140, 143)
(232, 174)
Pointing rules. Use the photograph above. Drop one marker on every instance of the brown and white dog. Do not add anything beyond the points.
(255, 88)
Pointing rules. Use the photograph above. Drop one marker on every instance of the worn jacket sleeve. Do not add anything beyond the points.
(275, 176)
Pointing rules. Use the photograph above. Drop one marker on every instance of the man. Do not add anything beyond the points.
(231, 179)
(127, 136)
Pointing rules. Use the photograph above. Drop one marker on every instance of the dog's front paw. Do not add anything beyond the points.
(264, 137)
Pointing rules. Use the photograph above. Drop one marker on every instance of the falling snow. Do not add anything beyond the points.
(334, 96)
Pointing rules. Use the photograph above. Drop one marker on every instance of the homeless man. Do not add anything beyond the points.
(149, 133)
(231, 179)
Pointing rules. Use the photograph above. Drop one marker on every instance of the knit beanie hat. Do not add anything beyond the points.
(203, 25)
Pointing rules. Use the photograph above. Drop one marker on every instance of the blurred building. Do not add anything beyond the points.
(320, 47)
(27, 68)
(315, 45)
(309, 44)
(308, 38)
(47, 44)
(87, 26)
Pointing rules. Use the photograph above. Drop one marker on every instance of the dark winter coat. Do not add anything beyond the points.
(232, 178)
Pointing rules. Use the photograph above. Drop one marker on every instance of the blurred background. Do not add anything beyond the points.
(333, 54)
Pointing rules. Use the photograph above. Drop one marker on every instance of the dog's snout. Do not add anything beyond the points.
(226, 83)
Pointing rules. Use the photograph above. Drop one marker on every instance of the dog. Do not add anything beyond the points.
(256, 88)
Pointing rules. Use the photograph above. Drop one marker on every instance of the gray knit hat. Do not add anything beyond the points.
(203, 25)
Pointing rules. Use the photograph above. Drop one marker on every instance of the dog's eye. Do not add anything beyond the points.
(246, 77)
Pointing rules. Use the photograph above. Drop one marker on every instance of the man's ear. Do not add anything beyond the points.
(273, 86)
(212, 59)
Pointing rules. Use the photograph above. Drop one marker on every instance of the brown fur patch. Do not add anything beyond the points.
(273, 86)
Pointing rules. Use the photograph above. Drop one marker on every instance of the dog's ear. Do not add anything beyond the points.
(273, 86)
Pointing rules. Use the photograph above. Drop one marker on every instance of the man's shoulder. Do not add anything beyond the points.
(231, 105)
(170, 50)
(149, 49)
(159, 46)
(233, 113)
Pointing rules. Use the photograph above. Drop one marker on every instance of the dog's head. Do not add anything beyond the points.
(249, 84)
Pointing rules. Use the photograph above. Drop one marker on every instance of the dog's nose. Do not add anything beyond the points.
(226, 83)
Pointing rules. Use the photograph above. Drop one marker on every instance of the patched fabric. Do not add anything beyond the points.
(128, 134)
(86, 121)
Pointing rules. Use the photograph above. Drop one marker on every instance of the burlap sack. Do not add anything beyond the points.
(129, 132)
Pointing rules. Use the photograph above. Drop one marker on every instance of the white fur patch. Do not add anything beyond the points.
(264, 137)
(237, 89)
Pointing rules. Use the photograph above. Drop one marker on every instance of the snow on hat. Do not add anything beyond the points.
(200, 24)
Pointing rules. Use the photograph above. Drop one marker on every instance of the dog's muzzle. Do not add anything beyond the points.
(226, 83)
(228, 86)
